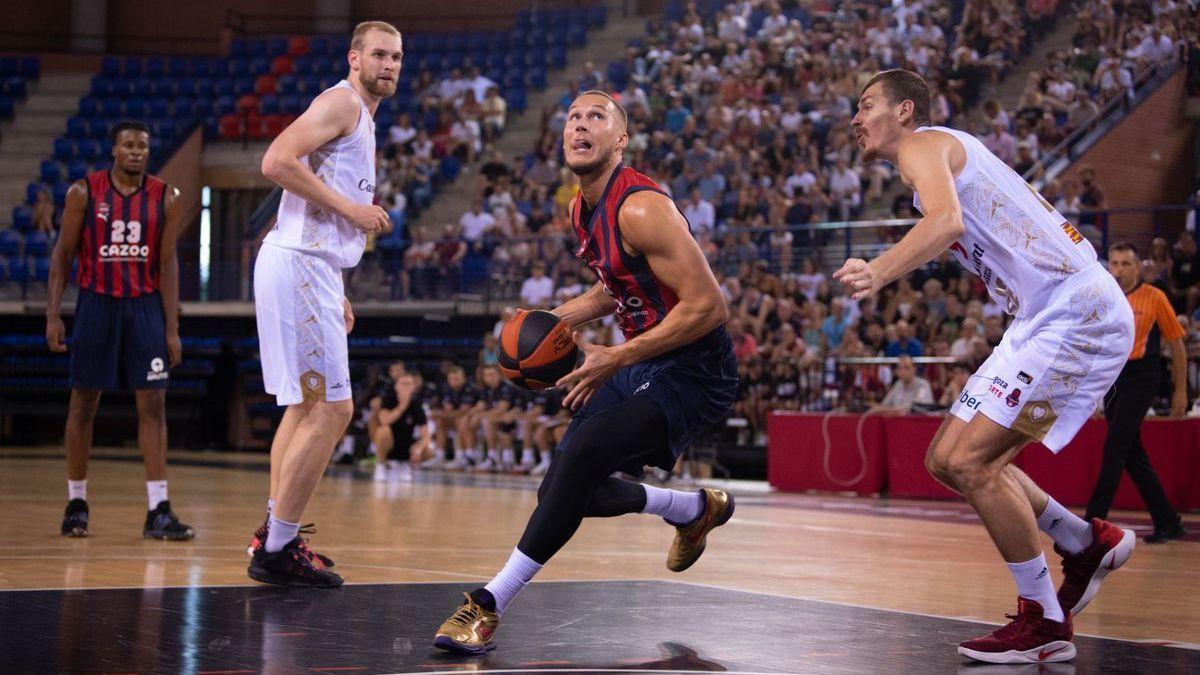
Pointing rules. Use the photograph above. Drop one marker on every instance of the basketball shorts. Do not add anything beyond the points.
(301, 328)
(1051, 370)
(694, 385)
(119, 344)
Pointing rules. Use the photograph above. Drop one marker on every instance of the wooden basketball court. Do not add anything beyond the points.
(794, 583)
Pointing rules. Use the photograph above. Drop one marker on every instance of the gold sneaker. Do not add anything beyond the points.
(690, 539)
(470, 630)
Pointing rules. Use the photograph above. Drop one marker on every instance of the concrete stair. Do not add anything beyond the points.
(523, 130)
(29, 138)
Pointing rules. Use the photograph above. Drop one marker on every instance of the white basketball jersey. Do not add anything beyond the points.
(1014, 240)
(347, 165)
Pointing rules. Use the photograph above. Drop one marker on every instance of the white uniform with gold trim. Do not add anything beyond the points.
(298, 275)
(1072, 328)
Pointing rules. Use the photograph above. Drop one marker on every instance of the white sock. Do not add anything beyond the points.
(544, 456)
(279, 533)
(517, 572)
(507, 456)
(156, 492)
(494, 455)
(1069, 531)
(77, 489)
(1034, 583)
(678, 508)
(527, 456)
(270, 506)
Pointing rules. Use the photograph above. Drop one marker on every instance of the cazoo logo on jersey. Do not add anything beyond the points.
(126, 238)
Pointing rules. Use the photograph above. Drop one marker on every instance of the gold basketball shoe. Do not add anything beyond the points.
(690, 538)
(470, 630)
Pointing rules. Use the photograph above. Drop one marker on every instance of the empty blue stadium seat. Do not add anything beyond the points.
(223, 86)
(319, 44)
(277, 46)
(101, 86)
(98, 127)
(159, 108)
(89, 107)
(59, 194)
(287, 84)
(156, 67)
(7, 106)
(133, 67)
(110, 66)
(8, 66)
(177, 67)
(225, 105)
(141, 87)
(212, 126)
(203, 87)
(259, 66)
(185, 107)
(15, 86)
(110, 107)
(64, 148)
(32, 191)
(243, 86)
(76, 169)
(135, 108)
(269, 104)
(289, 104)
(76, 127)
(237, 67)
(237, 48)
(93, 150)
(41, 268)
(49, 172)
(22, 218)
(256, 48)
(163, 87)
(31, 67)
(10, 242)
(121, 87)
(36, 243)
(201, 66)
(165, 129)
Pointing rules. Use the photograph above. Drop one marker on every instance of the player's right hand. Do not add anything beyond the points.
(369, 218)
(56, 333)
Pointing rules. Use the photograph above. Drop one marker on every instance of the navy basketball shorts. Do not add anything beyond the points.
(694, 385)
(119, 344)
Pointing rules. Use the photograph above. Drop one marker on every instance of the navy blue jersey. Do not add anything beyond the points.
(464, 395)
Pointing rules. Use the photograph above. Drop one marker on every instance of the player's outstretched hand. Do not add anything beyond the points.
(859, 278)
(56, 334)
(599, 364)
(369, 218)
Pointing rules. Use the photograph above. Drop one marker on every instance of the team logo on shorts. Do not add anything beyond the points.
(1024, 377)
(157, 370)
(1014, 398)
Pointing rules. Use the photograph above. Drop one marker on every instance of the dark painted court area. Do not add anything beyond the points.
(595, 626)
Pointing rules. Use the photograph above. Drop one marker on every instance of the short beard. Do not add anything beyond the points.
(589, 168)
(377, 87)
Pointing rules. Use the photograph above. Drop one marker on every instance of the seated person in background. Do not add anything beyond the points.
(959, 374)
(551, 427)
(450, 408)
(384, 387)
(401, 420)
(492, 408)
(907, 390)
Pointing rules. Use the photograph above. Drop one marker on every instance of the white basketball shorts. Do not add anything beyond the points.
(1052, 369)
(301, 327)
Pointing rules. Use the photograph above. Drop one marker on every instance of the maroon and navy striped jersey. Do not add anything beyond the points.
(642, 300)
(118, 249)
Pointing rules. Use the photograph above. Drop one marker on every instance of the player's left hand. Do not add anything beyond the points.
(599, 364)
(1179, 401)
(347, 314)
(174, 349)
(859, 278)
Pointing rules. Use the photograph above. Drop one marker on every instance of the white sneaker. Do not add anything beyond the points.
(433, 463)
(457, 464)
(402, 472)
(381, 473)
(540, 469)
(486, 465)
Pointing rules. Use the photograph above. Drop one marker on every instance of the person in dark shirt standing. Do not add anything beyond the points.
(1130, 397)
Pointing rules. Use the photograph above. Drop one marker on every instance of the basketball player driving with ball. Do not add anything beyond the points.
(1071, 332)
(637, 404)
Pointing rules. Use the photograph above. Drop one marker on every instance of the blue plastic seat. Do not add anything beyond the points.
(135, 108)
(159, 108)
(22, 218)
(36, 243)
(89, 107)
(98, 127)
(32, 191)
(133, 67)
(76, 169)
(64, 148)
(49, 172)
(76, 128)
(110, 66)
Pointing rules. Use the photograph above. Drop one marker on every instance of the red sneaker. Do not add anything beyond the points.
(1029, 638)
(1082, 573)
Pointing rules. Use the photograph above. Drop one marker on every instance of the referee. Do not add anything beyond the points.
(1129, 399)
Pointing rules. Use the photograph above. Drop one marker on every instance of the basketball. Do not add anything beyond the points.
(536, 349)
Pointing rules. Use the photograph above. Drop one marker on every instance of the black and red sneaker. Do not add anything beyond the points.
(162, 523)
(75, 519)
(290, 566)
(259, 539)
(1028, 638)
(1111, 547)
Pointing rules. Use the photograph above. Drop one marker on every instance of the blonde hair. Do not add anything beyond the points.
(360, 32)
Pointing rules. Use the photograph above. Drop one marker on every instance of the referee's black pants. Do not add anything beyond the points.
(1125, 407)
